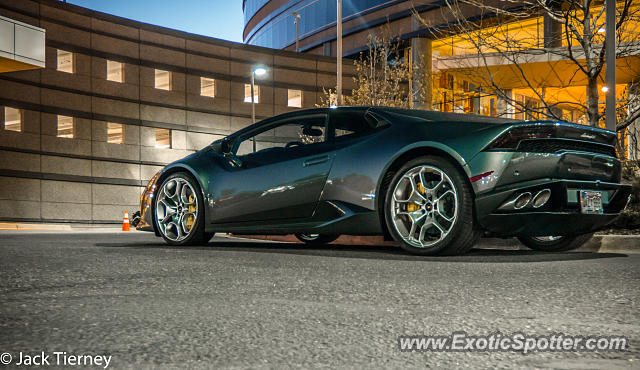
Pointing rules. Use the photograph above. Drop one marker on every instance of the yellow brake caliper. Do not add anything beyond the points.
(411, 207)
(192, 208)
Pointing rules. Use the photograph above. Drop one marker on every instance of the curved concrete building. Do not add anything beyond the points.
(270, 23)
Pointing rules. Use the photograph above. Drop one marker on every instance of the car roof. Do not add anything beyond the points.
(432, 116)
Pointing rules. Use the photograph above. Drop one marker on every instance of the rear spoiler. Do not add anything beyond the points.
(562, 130)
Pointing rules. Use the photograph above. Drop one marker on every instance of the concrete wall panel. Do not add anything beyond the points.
(66, 211)
(67, 166)
(110, 213)
(19, 209)
(115, 194)
(161, 114)
(19, 161)
(116, 151)
(19, 189)
(115, 170)
(65, 192)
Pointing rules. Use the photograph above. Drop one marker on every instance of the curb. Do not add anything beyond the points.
(28, 226)
(66, 227)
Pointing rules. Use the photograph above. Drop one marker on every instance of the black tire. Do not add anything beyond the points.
(562, 244)
(197, 235)
(463, 232)
(316, 239)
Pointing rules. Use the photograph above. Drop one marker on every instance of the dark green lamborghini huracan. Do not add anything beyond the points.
(434, 182)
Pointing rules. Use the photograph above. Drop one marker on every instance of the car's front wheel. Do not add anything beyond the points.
(316, 239)
(555, 243)
(179, 211)
(429, 208)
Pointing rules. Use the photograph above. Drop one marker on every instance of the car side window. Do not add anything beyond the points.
(350, 124)
(283, 140)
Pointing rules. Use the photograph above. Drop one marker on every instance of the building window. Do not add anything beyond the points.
(115, 133)
(295, 98)
(163, 138)
(66, 127)
(65, 61)
(12, 119)
(207, 87)
(115, 71)
(163, 80)
(247, 93)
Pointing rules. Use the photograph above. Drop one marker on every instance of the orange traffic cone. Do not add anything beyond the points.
(125, 222)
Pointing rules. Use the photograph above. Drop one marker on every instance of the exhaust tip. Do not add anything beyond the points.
(522, 200)
(541, 198)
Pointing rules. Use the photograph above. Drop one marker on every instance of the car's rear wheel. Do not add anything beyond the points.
(554, 243)
(316, 239)
(179, 211)
(429, 208)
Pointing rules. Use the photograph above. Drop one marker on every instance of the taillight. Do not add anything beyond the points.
(510, 139)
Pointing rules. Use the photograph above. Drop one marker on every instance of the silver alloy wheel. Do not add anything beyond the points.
(176, 209)
(546, 239)
(424, 206)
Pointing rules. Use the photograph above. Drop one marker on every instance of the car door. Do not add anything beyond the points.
(284, 169)
(359, 156)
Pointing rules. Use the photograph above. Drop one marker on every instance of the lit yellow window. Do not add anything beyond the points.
(163, 80)
(295, 98)
(247, 93)
(65, 61)
(163, 138)
(65, 127)
(115, 133)
(115, 71)
(12, 119)
(207, 87)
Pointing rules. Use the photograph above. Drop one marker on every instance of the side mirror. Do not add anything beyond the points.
(225, 146)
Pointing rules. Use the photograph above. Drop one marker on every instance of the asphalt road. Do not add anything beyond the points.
(243, 304)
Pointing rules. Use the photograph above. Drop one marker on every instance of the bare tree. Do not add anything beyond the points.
(493, 49)
(382, 76)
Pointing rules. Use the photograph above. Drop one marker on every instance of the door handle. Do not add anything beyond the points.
(314, 161)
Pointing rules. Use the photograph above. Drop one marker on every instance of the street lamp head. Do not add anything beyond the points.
(605, 88)
(259, 71)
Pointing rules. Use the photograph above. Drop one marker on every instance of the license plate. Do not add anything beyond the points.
(591, 201)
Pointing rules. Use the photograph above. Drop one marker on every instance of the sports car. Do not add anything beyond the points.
(433, 182)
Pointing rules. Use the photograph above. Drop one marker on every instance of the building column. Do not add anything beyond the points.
(633, 131)
(505, 109)
(421, 66)
(421, 69)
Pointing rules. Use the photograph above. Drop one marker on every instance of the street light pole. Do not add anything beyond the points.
(610, 40)
(256, 71)
(339, 53)
(253, 105)
(296, 20)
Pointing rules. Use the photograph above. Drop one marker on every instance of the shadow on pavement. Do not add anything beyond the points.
(371, 252)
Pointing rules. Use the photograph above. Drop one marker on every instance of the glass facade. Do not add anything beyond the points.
(277, 30)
